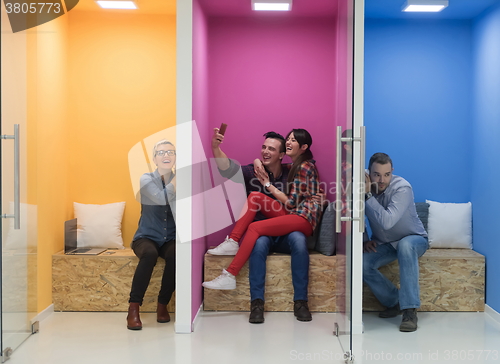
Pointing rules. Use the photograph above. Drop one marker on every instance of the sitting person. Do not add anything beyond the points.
(397, 233)
(155, 235)
(295, 243)
(295, 211)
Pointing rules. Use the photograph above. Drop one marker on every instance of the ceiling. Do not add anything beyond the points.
(300, 8)
(145, 7)
(457, 9)
(383, 9)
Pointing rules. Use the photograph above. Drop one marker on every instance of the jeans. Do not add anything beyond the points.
(148, 252)
(407, 252)
(295, 244)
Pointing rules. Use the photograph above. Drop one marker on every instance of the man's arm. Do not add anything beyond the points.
(396, 208)
(220, 157)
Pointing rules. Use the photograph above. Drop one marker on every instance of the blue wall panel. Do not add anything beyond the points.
(418, 102)
(486, 166)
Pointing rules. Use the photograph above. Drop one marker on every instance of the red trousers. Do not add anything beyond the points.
(279, 222)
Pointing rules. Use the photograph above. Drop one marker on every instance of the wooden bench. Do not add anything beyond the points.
(279, 290)
(101, 282)
(450, 280)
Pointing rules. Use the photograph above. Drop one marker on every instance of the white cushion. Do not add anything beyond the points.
(99, 226)
(450, 225)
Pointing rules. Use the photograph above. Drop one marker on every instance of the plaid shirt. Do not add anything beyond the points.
(305, 185)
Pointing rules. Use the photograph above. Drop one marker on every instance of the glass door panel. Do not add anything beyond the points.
(18, 224)
(349, 168)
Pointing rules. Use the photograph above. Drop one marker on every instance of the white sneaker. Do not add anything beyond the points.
(227, 247)
(225, 281)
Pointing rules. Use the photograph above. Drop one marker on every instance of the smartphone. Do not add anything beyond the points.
(222, 128)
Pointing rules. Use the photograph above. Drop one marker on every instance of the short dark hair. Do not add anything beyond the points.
(380, 158)
(277, 136)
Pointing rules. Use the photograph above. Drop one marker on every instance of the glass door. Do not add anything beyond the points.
(350, 173)
(18, 208)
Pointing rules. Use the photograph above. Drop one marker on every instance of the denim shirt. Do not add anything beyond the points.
(157, 209)
(392, 213)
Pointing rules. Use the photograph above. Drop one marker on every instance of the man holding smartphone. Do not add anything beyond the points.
(272, 153)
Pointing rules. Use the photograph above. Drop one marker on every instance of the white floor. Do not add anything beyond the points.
(227, 337)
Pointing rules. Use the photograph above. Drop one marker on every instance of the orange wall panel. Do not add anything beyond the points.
(48, 149)
(121, 90)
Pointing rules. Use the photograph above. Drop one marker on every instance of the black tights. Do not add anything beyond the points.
(148, 252)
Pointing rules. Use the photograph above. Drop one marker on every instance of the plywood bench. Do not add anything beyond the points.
(450, 280)
(279, 290)
(101, 282)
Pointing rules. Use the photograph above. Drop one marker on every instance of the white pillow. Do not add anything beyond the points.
(450, 225)
(99, 226)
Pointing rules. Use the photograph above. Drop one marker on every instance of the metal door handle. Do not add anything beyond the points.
(17, 180)
(338, 169)
(338, 205)
(362, 132)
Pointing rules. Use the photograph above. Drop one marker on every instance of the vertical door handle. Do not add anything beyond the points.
(338, 202)
(362, 132)
(338, 187)
(17, 180)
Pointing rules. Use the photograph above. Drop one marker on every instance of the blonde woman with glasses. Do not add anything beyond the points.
(155, 236)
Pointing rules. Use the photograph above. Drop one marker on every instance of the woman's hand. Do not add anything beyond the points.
(262, 175)
(320, 197)
(257, 164)
(260, 172)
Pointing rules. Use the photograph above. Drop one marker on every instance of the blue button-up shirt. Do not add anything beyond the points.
(157, 209)
(392, 214)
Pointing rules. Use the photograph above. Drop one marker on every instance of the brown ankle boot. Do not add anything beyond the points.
(162, 315)
(133, 319)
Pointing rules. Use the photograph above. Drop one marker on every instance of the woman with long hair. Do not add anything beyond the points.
(295, 210)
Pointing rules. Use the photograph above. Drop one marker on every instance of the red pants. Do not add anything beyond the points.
(279, 222)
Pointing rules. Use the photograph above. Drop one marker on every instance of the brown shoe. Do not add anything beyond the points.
(162, 315)
(133, 319)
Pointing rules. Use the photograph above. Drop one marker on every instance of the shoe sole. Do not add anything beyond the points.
(220, 289)
(212, 253)
(162, 321)
(134, 328)
(407, 329)
(255, 321)
(304, 319)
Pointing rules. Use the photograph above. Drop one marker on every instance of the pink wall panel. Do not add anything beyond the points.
(274, 74)
(200, 115)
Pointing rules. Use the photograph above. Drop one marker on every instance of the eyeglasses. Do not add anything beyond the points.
(161, 153)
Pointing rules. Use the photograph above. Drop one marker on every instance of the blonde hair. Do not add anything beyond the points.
(161, 142)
